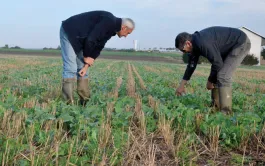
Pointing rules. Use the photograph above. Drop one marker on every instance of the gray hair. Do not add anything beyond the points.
(128, 23)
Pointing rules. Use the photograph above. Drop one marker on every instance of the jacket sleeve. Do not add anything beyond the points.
(192, 64)
(212, 53)
(96, 40)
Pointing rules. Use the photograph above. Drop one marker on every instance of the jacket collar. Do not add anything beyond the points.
(118, 24)
(194, 41)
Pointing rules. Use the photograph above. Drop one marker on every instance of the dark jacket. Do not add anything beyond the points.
(89, 32)
(214, 43)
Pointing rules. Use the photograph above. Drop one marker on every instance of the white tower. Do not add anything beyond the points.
(135, 45)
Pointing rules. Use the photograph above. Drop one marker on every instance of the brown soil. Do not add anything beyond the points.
(116, 57)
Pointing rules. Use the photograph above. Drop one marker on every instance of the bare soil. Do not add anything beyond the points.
(114, 57)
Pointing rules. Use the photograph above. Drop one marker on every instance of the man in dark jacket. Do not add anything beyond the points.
(225, 48)
(82, 38)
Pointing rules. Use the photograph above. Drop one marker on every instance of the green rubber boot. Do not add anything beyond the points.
(215, 98)
(68, 90)
(225, 95)
(83, 91)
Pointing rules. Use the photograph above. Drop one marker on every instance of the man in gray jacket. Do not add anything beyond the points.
(225, 48)
(82, 38)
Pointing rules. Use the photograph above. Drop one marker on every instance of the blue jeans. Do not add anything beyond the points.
(72, 62)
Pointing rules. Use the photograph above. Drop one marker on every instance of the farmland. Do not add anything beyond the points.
(132, 118)
(106, 53)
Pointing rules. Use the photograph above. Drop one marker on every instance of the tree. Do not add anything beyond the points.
(250, 59)
(202, 60)
(185, 57)
(6, 46)
(59, 47)
(16, 47)
(263, 53)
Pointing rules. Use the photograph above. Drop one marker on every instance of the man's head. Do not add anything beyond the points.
(183, 42)
(127, 26)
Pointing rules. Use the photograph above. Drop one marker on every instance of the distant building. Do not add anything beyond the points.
(135, 43)
(257, 41)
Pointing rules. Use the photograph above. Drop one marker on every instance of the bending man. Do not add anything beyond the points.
(82, 38)
(225, 48)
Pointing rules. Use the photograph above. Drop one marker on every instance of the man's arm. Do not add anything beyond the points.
(97, 49)
(192, 64)
(214, 56)
(95, 42)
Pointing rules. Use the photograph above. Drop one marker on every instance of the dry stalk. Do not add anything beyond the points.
(31, 146)
(110, 108)
(167, 70)
(260, 137)
(142, 84)
(103, 161)
(151, 69)
(140, 114)
(198, 121)
(152, 155)
(104, 135)
(153, 104)
(214, 135)
(12, 123)
(164, 127)
(130, 83)
(118, 85)
(30, 104)
(70, 152)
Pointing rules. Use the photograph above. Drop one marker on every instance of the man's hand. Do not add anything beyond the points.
(89, 60)
(181, 89)
(83, 71)
(209, 85)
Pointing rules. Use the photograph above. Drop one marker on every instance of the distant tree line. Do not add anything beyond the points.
(155, 49)
(117, 50)
(17, 47)
(109, 49)
(50, 48)
(7, 47)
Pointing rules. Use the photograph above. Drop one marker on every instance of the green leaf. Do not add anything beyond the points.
(66, 117)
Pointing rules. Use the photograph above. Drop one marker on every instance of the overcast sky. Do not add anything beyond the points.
(35, 24)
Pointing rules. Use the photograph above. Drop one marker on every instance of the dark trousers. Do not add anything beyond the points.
(232, 61)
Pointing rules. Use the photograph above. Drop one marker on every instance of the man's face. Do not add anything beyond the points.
(187, 48)
(124, 31)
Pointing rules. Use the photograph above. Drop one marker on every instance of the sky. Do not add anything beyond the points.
(35, 24)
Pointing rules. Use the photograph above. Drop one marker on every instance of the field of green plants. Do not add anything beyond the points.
(133, 116)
